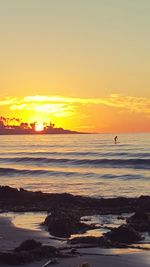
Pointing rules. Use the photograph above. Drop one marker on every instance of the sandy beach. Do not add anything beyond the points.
(11, 237)
(132, 259)
(104, 259)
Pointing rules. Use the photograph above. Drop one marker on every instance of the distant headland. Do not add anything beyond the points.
(13, 126)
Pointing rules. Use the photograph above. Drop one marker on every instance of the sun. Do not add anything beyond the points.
(39, 127)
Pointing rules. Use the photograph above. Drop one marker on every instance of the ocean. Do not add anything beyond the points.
(80, 164)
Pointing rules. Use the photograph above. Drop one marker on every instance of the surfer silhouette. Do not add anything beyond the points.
(115, 139)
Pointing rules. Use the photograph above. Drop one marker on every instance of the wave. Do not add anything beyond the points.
(124, 176)
(48, 173)
(108, 163)
(78, 153)
(13, 171)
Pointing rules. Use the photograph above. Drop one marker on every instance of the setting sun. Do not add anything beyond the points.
(39, 127)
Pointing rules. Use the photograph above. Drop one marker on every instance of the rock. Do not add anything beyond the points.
(120, 217)
(9, 192)
(64, 223)
(12, 199)
(37, 248)
(124, 234)
(46, 251)
(85, 240)
(144, 203)
(92, 240)
(140, 221)
(85, 264)
(29, 251)
(73, 251)
(28, 245)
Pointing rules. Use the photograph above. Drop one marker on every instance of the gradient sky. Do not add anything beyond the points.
(83, 64)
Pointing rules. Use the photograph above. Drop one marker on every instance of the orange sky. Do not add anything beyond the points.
(84, 65)
(115, 113)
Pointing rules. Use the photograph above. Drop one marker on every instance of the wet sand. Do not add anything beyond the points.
(130, 259)
(11, 237)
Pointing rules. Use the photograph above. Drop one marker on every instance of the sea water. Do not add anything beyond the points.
(80, 164)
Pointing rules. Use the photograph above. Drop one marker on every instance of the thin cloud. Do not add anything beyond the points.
(67, 106)
(8, 101)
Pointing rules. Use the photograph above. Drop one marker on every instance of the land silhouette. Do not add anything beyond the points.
(12, 126)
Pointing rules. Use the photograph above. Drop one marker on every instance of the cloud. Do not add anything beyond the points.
(58, 106)
(67, 106)
(8, 101)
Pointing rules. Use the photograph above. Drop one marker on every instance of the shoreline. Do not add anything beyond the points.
(73, 207)
(21, 200)
(12, 236)
(94, 256)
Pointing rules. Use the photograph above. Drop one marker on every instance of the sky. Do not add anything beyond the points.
(84, 64)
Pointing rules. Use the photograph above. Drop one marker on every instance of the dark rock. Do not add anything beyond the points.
(29, 251)
(28, 245)
(85, 264)
(124, 234)
(140, 221)
(92, 240)
(12, 199)
(139, 216)
(46, 251)
(9, 192)
(85, 240)
(37, 248)
(144, 203)
(74, 251)
(120, 217)
(64, 223)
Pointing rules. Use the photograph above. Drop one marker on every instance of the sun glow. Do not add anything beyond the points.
(78, 114)
(39, 127)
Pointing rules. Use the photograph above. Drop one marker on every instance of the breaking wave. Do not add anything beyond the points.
(135, 163)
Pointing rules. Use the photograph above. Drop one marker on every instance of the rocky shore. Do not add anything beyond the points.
(65, 212)
(12, 199)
